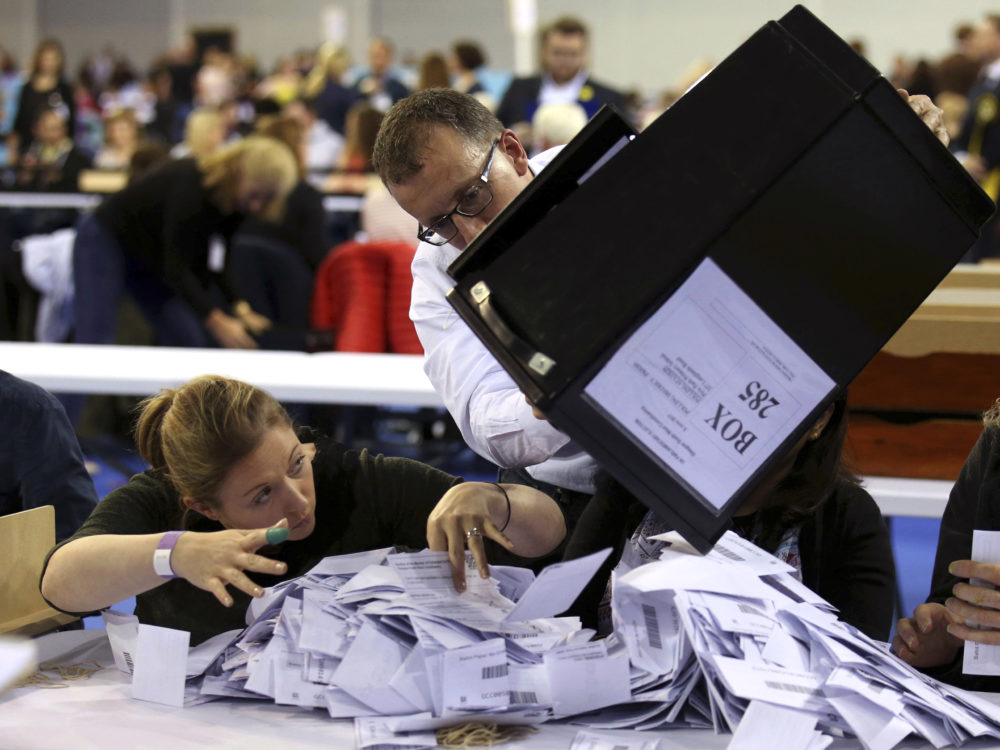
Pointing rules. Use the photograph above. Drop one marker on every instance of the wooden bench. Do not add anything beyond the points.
(915, 410)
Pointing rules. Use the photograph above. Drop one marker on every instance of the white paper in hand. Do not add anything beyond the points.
(979, 658)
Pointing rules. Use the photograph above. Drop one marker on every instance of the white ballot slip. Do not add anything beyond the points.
(372, 733)
(123, 633)
(160, 665)
(710, 385)
(557, 587)
(978, 658)
(586, 740)
(765, 726)
(367, 668)
(201, 656)
(585, 677)
(475, 678)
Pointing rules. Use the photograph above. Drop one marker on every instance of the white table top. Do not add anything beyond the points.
(99, 713)
(331, 203)
(329, 377)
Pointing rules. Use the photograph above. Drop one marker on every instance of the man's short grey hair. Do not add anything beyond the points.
(402, 139)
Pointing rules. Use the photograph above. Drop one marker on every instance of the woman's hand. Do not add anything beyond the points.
(923, 640)
(929, 112)
(253, 321)
(464, 515)
(975, 605)
(213, 560)
(229, 331)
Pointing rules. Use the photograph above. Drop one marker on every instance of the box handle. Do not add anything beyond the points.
(521, 349)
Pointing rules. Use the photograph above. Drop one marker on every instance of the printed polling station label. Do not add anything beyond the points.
(710, 385)
(475, 677)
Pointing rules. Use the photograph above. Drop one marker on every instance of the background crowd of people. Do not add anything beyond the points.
(59, 120)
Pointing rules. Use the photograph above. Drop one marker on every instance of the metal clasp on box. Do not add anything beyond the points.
(535, 360)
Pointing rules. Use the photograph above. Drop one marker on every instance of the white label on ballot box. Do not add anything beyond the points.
(710, 385)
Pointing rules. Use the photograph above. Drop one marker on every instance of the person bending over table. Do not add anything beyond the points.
(189, 537)
(809, 512)
(958, 610)
(153, 239)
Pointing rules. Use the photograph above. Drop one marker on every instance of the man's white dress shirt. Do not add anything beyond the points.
(490, 410)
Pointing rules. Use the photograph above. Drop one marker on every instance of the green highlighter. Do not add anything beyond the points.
(277, 534)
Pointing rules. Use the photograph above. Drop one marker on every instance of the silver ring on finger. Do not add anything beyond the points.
(474, 531)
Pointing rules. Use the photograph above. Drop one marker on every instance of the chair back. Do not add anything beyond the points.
(362, 291)
(25, 540)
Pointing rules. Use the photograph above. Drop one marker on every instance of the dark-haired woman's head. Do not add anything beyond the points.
(49, 59)
(805, 478)
(468, 55)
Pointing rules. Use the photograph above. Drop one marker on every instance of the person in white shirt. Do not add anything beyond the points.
(451, 165)
(323, 144)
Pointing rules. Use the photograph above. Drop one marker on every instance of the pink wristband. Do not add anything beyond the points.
(161, 556)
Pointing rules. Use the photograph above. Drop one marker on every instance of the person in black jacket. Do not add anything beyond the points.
(959, 611)
(153, 239)
(50, 161)
(809, 512)
(46, 88)
(565, 79)
(273, 264)
(194, 537)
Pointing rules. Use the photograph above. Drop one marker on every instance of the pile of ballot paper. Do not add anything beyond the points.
(734, 636)
(730, 640)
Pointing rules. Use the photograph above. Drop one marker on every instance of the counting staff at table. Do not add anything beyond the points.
(959, 610)
(201, 532)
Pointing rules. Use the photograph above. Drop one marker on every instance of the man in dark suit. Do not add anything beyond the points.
(379, 86)
(565, 78)
(978, 144)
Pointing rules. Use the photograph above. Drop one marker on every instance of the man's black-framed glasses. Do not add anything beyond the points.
(473, 203)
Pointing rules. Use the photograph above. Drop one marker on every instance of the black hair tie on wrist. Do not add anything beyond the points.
(507, 498)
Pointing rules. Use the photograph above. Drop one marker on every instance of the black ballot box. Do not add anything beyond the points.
(687, 307)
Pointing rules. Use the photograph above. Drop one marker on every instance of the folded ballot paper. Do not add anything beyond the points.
(734, 640)
(729, 641)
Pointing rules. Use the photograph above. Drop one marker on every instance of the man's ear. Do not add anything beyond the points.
(200, 507)
(510, 144)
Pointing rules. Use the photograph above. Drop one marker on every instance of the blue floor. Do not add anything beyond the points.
(914, 539)
(914, 542)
